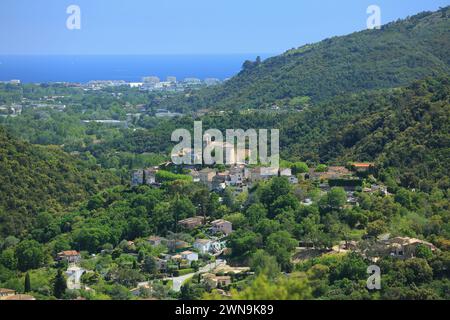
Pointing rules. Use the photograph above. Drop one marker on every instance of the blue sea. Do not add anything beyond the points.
(131, 68)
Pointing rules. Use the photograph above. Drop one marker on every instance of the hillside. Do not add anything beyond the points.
(404, 130)
(36, 178)
(396, 55)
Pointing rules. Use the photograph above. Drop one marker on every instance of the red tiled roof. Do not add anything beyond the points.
(363, 165)
(19, 297)
(69, 253)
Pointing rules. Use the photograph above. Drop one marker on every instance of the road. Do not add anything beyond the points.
(178, 281)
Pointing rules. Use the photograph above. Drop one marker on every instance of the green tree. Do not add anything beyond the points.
(8, 258)
(30, 255)
(281, 244)
(243, 242)
(255, 213)
(295, 287)
(424, 252)
(376, 228)
(149, 265)
(59, 284)
(262, 262)
(299, 167)
(337, 198)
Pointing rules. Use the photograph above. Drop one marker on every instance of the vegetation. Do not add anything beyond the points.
(65, 183)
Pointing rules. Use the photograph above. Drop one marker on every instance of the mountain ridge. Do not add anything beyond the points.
(394, 56)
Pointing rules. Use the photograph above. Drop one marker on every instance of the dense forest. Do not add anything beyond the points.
(37, 178)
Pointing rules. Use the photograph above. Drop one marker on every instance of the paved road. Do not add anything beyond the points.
(178, 281)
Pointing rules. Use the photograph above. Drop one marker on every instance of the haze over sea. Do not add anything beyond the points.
(131, 68)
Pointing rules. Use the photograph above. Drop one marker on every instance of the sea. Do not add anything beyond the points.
(130, 68)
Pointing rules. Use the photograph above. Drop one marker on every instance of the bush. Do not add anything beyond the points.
(183, 272)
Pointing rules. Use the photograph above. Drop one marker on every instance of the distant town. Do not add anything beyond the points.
(147, 83)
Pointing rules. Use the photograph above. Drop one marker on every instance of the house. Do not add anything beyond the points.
(332, 173)
(191, 223)
(237, 175)
(150, 175)
(226, 227)
(215, 281)
(203, 245)
(176, 257)
(137, 178)
(219, 182)
(189, 256)
(262, 173)
(400, 247)
(6, 292)
(155, 241)
(147, 176)
(206, 176)
(285, 172)
(71, 256)
(18, 297)
(362, 167)
(174, 245)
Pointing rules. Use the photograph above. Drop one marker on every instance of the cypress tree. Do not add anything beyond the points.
(59, 285)
(27, 285)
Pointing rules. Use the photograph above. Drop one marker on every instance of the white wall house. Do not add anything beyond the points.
(203, 245)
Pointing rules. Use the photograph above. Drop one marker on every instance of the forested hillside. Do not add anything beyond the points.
(394, 56)
(36, 179)
(405, 131)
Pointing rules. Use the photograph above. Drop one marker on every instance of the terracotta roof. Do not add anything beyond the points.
(363, 165)
(19, 297)
(4, 290)
(69, 253)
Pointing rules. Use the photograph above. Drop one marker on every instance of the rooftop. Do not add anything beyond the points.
(220, 221)
(19, 297)
(69, 253)
(363, 165)
(203, 241)
(5, 291)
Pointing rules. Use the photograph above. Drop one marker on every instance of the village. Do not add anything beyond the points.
(199, 247)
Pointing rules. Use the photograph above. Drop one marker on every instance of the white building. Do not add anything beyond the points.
(285, 172)
(135, 84)
(189, 256)
(203, 245)
(74, 274)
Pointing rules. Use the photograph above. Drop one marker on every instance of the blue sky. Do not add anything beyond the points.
(186, 27)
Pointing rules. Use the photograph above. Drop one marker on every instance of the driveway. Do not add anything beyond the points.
(178, 281)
